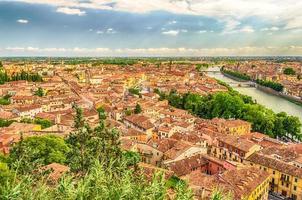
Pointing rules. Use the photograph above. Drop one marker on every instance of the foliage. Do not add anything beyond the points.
(217, 194)
(137, 109)
(31, 77)
(102, 170)
(134, 91)
(34, 151)
(88, 144)
(100, 182)
(40, 92)
(201, 66)
(237, 74)
(43, 122)
(5, 174)
(289, 71)
(275, 86)
(234, 105)
(5, 100)
(131, 158)
(5, 123)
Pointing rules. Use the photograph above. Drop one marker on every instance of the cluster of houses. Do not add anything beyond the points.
(273, 71)
(208, 154)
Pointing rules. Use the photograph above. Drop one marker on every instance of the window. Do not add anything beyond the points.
(296, 180)
(295, 188)
(274, 172)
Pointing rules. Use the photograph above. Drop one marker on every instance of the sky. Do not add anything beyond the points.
(150, 27)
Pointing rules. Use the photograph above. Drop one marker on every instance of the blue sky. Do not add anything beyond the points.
(150, 28)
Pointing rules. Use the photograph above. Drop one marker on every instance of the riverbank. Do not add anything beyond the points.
(233, 77)
(267, 89)
(285, 96)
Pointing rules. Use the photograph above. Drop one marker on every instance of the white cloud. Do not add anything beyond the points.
(274, 28)
(247, 29)
(172, 22)
(22, 21)
(171, 32)
(202, 31)
(99, 32)
(110, 31)
(278, 12)
(77, 51)
(70, 11)
(184, 30)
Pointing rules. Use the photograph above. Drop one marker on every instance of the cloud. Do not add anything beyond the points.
(246, 29)
(274, 28)
(101, 51)
(202, 31)
(286, 12)
(172, 22)
(70, 11)
(22, 21)
(171, 32)
(110, 31)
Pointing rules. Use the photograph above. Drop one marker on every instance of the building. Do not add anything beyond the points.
(233, 148)
(285, 167)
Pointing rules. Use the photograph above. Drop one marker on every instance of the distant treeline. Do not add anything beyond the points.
(275, 86)
(32, 77)
(236, 74)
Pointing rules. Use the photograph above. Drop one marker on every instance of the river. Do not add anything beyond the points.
(273, 102)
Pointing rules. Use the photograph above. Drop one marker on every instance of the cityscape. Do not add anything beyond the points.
(166, 99)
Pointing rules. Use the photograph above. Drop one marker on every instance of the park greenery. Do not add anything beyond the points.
(5, 123)
(232, 105)
(289, 71)
(5, 100)
(236, 74)
(134, 91)
(40, 92)
(43, 122)
(273, 85)
(201, 66)
(137, 109)
(32, 77)
(99, 168)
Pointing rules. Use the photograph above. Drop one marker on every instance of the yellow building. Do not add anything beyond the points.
(232, 127)
(286, 176)
(240, 184)
(233, 148)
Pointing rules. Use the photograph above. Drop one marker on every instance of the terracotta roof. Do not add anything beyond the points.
(185, 166)
(276, 164)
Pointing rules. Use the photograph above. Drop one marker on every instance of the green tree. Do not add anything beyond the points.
(40, 92)
(34, 151)
(131, 158)
(289, 71)
(5, 174)
(137, 109)
(80, 158)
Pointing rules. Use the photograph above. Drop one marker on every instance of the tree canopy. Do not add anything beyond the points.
(289, 71)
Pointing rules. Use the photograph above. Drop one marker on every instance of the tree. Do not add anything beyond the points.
(289, 71)
(5, 174)
(79, 158)
(137, 109)
(34, 151)
(40, 92)
(131, 158)
(88, 144)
